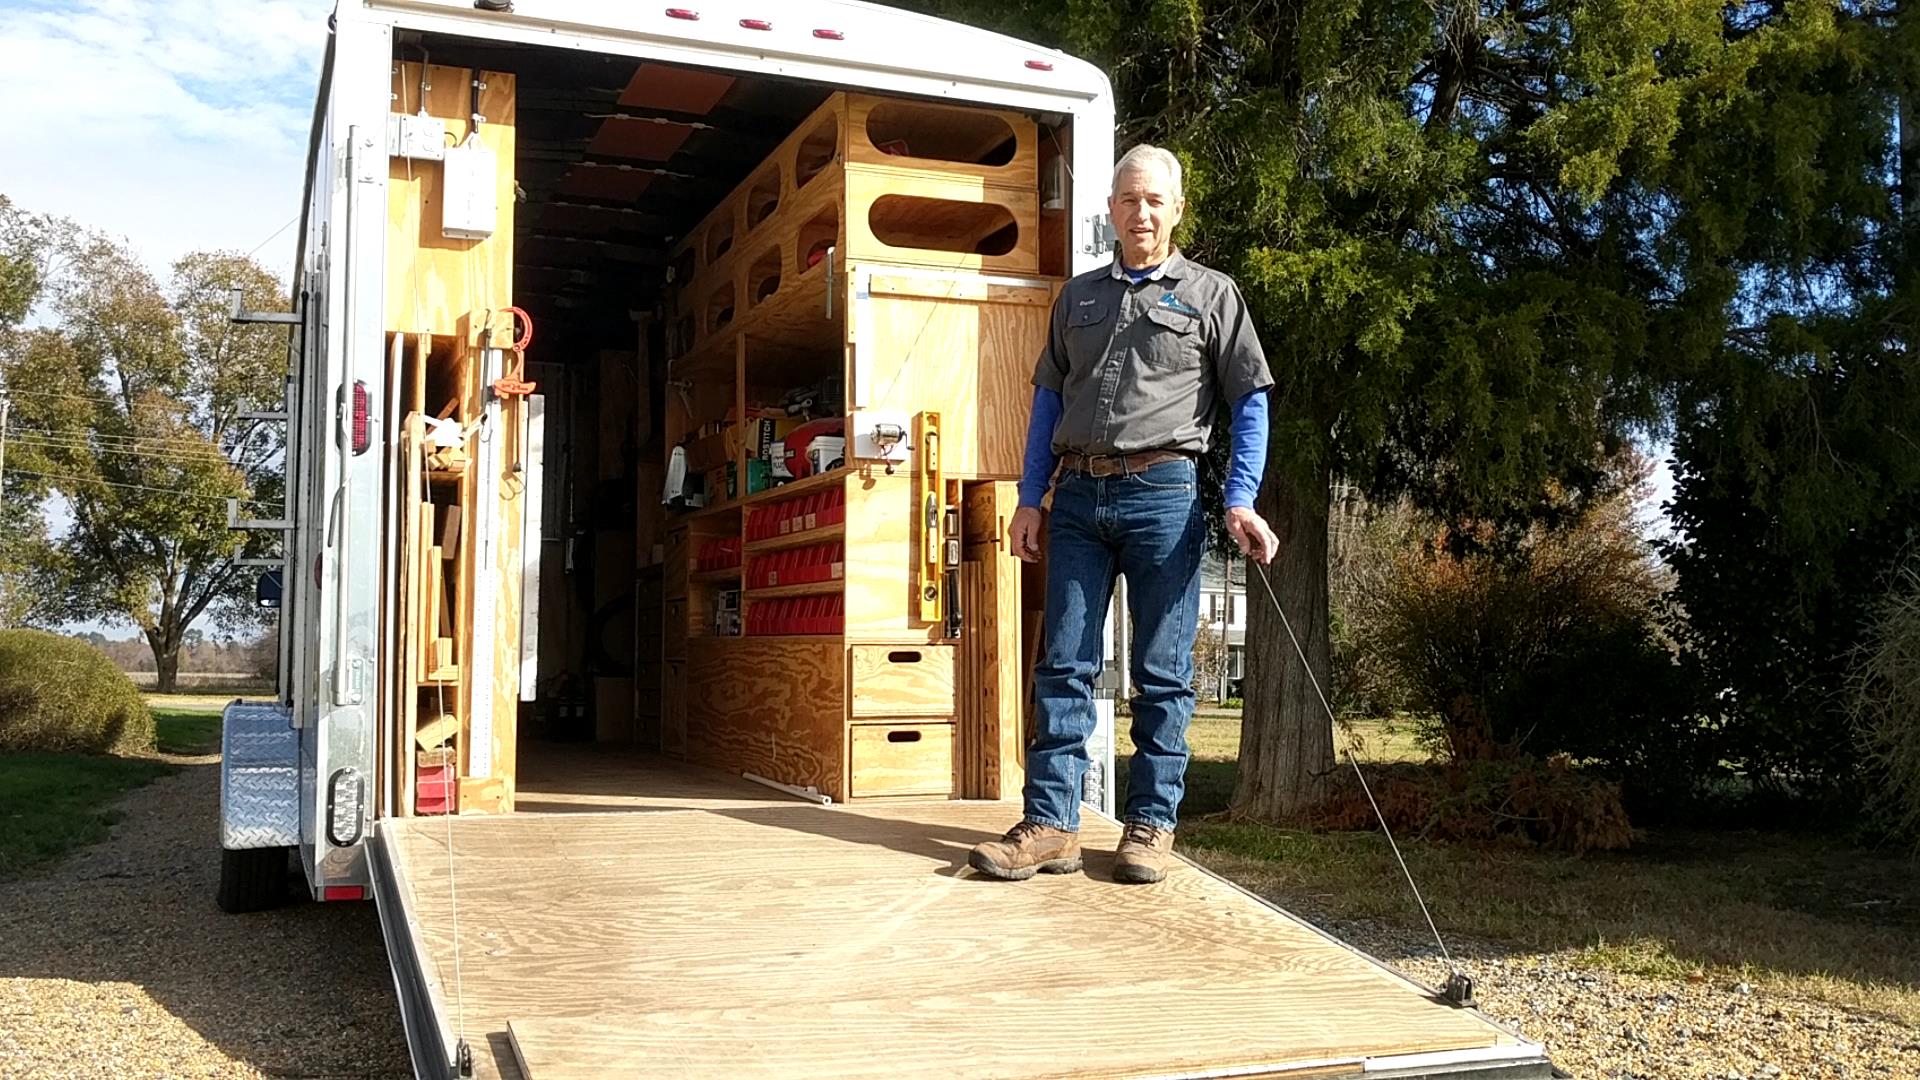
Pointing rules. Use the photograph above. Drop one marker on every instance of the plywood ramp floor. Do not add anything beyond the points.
(730, 935)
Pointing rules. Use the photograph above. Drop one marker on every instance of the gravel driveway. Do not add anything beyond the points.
(116, 963)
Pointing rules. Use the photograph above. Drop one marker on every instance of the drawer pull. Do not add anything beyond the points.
(903, 736)
(904, 656)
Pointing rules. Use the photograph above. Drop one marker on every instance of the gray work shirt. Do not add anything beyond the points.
(1142, 367)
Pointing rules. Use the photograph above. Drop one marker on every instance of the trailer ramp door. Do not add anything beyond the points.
(763, 939)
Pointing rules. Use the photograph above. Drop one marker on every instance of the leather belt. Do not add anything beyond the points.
(1119, 464)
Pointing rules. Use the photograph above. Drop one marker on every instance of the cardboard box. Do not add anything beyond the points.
(762, 432)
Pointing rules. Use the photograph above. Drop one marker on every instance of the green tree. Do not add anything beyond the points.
(135, 420)
(1798, 479)
(1442, 216)
(28, 568)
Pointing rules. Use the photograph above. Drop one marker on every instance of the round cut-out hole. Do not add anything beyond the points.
(912, 221)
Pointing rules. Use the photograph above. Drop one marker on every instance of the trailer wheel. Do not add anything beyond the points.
(252, 879)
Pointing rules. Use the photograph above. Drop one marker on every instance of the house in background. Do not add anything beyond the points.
(1223, 610)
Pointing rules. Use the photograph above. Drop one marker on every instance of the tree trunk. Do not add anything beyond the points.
(1286, 737)
(166, 666)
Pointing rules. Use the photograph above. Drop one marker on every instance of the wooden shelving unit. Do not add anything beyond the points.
(819, 534)
(811, 588)
(891, 248)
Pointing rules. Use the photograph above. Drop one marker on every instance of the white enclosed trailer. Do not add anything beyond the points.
(648, 898)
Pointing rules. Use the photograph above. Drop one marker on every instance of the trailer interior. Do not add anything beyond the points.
(717, 820)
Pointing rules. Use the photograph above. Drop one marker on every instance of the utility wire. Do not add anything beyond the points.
(1307, 666)
(170, 453)
(181, 492)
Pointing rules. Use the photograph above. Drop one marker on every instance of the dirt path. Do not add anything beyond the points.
(117, 963)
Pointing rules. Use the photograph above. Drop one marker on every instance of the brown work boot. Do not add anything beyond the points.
(1028, 847)
(1142, 856)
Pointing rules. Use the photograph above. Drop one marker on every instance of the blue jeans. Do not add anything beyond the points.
(1149, 527)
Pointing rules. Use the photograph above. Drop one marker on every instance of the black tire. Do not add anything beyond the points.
(252, 879)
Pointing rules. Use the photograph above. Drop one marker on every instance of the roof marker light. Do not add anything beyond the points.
(1040, 65)
(683, 13)
(830, 35)
(757, 24)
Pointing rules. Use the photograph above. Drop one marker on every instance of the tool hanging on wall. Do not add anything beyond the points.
(511, 383)
(929, 492)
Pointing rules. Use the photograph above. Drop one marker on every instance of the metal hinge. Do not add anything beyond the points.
(1096, 234)
(238, 313)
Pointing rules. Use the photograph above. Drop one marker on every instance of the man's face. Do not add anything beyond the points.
(1145, 210)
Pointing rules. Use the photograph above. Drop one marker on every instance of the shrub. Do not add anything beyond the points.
(61, 694)
(1525, 800)
(1553, 648)
(1886, 704)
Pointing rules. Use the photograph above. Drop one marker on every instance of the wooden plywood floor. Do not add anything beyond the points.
(720, 933)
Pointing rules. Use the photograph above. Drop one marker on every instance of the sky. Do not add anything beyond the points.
(178, 125)
(174, 125)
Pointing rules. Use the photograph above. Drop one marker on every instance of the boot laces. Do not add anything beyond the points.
(1024, 831)
(1139, 832)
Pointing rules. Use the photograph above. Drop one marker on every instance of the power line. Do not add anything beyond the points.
(181, 492)
(130, 449)
(91, 438)
(196, 457)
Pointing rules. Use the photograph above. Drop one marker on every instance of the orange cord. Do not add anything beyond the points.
(512, 383)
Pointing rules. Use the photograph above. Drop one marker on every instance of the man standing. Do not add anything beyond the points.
(1140, 355)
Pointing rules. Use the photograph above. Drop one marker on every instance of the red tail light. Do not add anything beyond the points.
(830, 35)
(757, 24)
(342, 892)
(1040, 65)
(361, 436)
(683, 13)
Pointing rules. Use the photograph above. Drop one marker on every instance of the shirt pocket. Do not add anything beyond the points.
(1172, 340)
(1087, 332)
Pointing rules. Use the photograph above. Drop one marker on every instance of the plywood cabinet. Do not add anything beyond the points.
(888, 253)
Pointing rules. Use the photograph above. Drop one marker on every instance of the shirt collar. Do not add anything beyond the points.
(1173, 268)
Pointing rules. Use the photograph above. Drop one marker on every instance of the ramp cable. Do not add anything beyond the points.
(1459, 986)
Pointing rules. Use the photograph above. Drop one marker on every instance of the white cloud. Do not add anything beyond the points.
(178, 125)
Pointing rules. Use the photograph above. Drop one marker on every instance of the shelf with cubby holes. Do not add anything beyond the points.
(806, 655)
(863, 181)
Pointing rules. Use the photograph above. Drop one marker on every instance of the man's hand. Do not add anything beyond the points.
(1023, 533)
(1251, 532)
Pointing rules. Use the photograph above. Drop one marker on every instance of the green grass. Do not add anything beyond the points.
(1800, 912)
(53, 803)
(186, 731)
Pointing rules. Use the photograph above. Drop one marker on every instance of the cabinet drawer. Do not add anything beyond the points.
(902, 680)
(902, 759)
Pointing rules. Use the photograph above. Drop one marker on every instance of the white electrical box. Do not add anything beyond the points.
(469, 192)
(419, 138)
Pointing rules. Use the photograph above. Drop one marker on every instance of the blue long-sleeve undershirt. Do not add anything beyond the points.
(1247, 461)
(1040, 461)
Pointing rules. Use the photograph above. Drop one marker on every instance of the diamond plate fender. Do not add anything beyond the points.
(259, 777)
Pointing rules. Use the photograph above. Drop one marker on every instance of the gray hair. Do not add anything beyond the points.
(1142, 156)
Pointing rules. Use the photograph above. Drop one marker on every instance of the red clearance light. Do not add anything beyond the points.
(757, 24)
(1040, 65)
(830, 35)
(343, 892)
(361, 436)
(683, 13)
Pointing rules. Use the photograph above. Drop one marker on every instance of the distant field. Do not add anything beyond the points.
(209, 682)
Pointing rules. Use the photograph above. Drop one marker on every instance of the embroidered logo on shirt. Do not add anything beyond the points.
(1174, 303)
(1089, 302)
